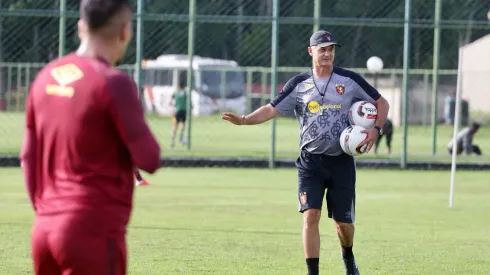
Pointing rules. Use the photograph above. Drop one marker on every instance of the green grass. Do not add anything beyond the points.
(212, 136)
(239, 221)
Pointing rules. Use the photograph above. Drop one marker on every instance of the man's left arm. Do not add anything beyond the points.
(129, 119)
(28, 153)
(383, 108)
(369, 93)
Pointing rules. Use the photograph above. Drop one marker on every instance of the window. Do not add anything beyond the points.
(157, 77)
(234, 85)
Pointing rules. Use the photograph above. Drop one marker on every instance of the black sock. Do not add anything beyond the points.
(347, 252)
(312, 264)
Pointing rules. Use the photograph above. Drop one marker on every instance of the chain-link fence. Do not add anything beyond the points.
(232, 52)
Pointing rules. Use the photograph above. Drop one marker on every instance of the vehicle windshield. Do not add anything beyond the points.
(157, 77)
(211, 84)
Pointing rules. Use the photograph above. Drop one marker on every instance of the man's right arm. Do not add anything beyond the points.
(284, 102)
(28, 153)
(262, 114)
(127, 114)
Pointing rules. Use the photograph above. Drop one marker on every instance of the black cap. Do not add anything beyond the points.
(323, 39)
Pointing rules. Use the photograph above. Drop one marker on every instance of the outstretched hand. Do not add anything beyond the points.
(233, 118)
(372, 136)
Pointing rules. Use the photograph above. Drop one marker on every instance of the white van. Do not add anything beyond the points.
(219, 85)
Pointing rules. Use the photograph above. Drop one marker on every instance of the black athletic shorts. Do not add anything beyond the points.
(336, 175)
(180, 116)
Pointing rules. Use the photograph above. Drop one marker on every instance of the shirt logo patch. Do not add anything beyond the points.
(66, 74)
(308, 86)
(340, 88)
(314, 107)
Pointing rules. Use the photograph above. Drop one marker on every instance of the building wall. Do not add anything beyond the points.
(475, 78)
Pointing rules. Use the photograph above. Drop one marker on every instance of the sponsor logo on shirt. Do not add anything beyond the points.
(315, 107)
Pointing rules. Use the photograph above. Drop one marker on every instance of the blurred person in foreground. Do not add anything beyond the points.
(464, 141)
(85, 137)
(139, 180)
(321, 99)
(388, 132)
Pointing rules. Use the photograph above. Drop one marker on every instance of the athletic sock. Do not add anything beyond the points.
(347, 252)
(312, 264)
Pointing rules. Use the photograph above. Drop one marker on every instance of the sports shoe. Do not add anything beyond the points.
(142, 183)
(350, 267)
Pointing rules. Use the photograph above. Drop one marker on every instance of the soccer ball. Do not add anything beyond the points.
(363, 113)
(350, 139)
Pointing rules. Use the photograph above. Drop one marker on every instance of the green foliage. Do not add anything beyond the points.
(240, 30)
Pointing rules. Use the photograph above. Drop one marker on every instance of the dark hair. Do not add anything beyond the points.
(476, 125)
(97, 13)
(183, 80)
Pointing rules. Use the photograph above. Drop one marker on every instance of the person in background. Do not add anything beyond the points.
(325, 172)
(388, 132)
(464, 140)
(179, 102)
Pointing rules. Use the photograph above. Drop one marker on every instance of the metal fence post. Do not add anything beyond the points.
(426, 108)
(139, 47)
(274, 56)
(316, 15)
(435, 72)
(190, 71)
(249, 91)
(406, 67)
(62, 28)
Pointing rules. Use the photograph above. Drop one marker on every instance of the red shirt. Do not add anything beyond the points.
(85, 136)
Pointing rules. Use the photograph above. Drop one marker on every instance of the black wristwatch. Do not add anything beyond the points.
(380, 130)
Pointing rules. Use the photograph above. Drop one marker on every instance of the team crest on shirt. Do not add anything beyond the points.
(340, 88)
(302, 197)
(66, 74)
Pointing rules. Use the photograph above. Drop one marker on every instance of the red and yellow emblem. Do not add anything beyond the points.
(340, 88)
(302, 197)
(64, 75)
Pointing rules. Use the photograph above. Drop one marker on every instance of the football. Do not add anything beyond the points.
(350, 139)
(363, 113)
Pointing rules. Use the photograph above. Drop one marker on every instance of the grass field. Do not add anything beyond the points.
(239, 221)
(213, 137)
